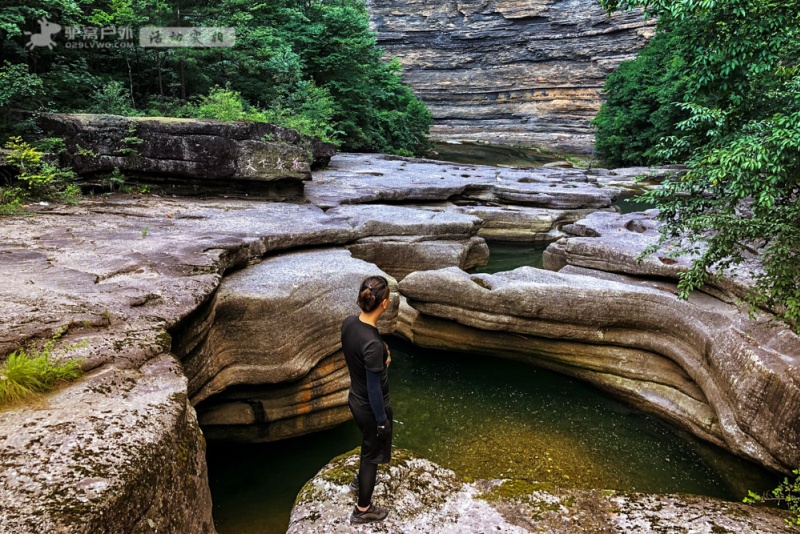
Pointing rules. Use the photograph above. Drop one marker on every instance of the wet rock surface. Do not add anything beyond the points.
(424, 497)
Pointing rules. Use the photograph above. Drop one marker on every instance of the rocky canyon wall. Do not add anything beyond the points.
(508, 71)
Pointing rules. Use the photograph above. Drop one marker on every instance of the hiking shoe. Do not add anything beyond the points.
(354, 484)
(374, 513)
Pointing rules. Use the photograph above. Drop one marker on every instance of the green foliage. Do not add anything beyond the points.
(741, 64)
(37, 179)
(787, 493)
(309, 110)
(221, 104)
(641, 103)
(312, 65)
(52, 145)
(115, 180)
(17, 84)
(132, 142)
(113, 98)
(28, 373)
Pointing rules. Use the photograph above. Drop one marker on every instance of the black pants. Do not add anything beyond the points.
(374, 451)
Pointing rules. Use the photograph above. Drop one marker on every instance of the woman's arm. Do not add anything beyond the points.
(376, 395)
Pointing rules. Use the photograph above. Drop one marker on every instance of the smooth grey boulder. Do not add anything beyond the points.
(423, 497)
(271, 324)
(612, 242)
(701, 363)
(401, 239)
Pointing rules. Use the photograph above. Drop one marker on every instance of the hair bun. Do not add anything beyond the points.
(366, 300)
(373, 291)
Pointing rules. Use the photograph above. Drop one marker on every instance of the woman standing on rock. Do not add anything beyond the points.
(367, 360)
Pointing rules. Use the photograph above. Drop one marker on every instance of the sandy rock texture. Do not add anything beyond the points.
(507, 71)
(423, 497)
(121, 451)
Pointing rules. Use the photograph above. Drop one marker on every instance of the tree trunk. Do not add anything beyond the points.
(130, 80)
(160, 83)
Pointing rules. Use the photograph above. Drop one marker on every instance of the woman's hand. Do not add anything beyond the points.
(388, 355)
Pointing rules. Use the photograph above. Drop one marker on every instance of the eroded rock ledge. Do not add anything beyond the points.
(424, 497)
(189, 155)
(702, 363)
(124, 273)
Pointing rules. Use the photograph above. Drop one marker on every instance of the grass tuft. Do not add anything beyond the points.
(27, 374)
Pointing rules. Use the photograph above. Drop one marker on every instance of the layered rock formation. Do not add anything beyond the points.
(200, 154)
(124, 274)
(509, 72)
(118, 273)
(401, 240)
(424, 497)
(272, 354)
(702, 363)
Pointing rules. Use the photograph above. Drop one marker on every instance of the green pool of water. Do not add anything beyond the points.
(486, 418)
(506, 256)
(629, 204)
(484, 154)
(489, 418)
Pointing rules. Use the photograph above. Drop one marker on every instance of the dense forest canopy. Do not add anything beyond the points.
(312, 65)
(719, 89)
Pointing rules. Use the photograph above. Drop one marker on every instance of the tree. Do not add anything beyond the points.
(640, 105)
(312, 65)
(740, 196)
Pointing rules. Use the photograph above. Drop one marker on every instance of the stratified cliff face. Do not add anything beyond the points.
(509, 71)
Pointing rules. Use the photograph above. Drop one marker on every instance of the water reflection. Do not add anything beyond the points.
(486, 418)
